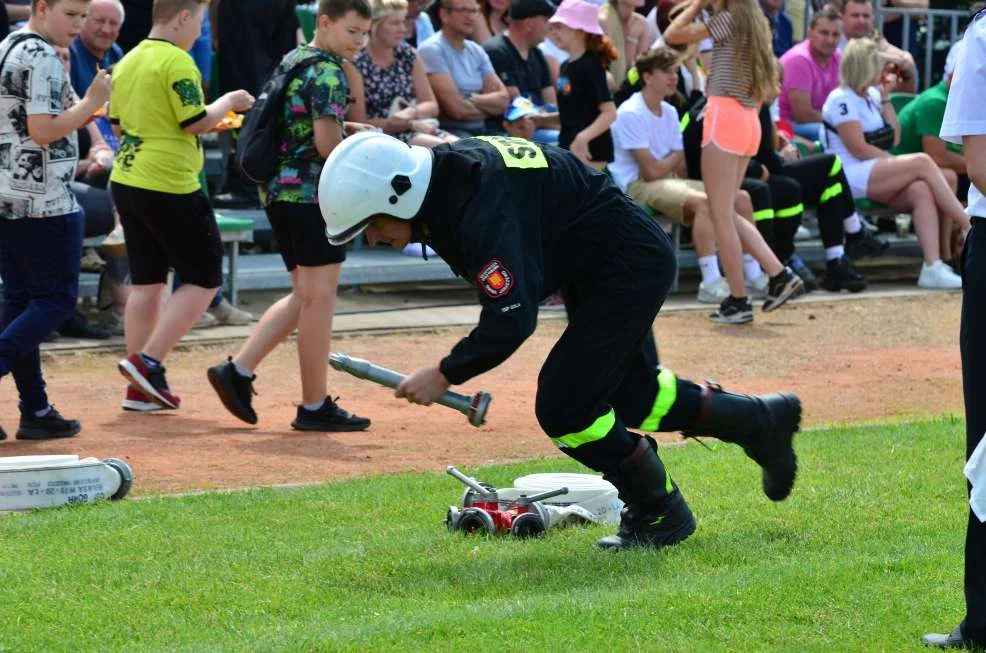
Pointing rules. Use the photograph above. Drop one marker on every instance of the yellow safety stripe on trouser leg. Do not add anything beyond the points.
(763, 214)
(836, 166)
(667, 392)
(790, 212)
(596, 431)
(685, 121)
(831, 192)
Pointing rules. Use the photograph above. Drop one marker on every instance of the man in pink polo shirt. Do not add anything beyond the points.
(811, 71)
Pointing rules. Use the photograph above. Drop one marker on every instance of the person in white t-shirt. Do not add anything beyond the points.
(649, 165)
(853, 115)
(965, 122)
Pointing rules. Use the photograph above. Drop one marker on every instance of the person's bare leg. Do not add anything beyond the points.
(918, 199)
(316, 290)
(890, 175)
(703, 233)
(754, 244)
(179, 315)
(275, 325)
(140, 315)
(719, 174)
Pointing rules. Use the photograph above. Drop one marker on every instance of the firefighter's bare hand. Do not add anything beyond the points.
(423, 386)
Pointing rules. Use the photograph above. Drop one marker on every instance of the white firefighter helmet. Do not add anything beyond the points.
(371, 174)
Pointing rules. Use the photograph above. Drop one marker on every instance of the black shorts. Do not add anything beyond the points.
(164, 230)
(300, 233)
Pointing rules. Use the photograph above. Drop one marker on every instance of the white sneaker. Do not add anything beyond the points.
(206, 321)
(757, 289)
(227, 314)
(802, 233)
(939, 275)
(714, 291)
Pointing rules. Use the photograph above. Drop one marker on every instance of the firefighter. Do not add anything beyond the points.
(520, 221)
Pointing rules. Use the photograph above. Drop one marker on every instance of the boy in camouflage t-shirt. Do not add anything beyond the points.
(312, 124)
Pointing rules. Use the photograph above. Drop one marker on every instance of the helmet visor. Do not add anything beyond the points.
(348, 234)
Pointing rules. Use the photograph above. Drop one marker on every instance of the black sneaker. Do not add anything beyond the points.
(733, 311)
(840, 273)
(862, 244)
(234, 390)
(49, 427)
(782, 287)
(328, 417)
(3, 434)
(76, 326)
(798, 266)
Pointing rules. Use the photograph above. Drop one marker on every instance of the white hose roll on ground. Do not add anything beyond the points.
(30, 482)
(589, 496)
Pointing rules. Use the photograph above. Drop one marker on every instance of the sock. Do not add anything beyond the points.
(751, 269)
(44, 411)
(150, 362)
(242, 371)
(833, 253)
(709, 266)
(852, 224)
(313, 407)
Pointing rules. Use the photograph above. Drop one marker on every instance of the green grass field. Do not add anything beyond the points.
(865, 556)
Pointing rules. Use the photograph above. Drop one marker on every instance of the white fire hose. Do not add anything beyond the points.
(29, 482)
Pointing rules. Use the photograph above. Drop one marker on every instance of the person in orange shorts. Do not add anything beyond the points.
(743, 75)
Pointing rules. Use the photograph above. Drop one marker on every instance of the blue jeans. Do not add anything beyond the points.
(39, 264)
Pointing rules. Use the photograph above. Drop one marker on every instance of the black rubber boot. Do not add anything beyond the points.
(763, 425)
(653, 515)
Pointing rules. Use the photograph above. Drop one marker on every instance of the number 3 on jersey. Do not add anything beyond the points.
(517, 152)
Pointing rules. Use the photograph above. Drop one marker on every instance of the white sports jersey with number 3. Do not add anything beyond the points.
(964, 115)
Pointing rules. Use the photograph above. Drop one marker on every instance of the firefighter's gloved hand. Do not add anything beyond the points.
(423, 386)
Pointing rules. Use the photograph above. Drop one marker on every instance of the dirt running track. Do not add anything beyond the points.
(848, 360)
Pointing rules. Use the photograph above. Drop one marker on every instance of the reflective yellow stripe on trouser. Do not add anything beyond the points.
(790, 212)
(667, 392)
(596, 431)
(763, 214)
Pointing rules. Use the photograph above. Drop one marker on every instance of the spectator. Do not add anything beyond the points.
(920, 126)
(743, 75)
(861, 127)
(649, 165)
(495, 19)
(692, 76)
(419, 26)
(137, 25)
(522, 66)
(394, 75)
(96, 46)
(518, 121)
(313, 120)
(460, 72)
(41, 225)
(627, 30)
(893, 23)
(811, 72)
(857, 22)
(585, 103)
(159, 112)
(781, 27)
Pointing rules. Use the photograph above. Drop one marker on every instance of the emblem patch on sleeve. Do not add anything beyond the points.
(495, 280)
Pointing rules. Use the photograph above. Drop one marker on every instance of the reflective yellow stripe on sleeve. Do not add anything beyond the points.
(667, 392)
(836, 167)
(596, 431)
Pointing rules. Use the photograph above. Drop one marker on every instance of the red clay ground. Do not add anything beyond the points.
(865, 360)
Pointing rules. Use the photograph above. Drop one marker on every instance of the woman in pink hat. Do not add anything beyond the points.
(585, 103)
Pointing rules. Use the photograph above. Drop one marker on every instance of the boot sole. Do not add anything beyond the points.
(676, 536)
(793, 290)
(792, 426)
(41, 434)
(229, 401)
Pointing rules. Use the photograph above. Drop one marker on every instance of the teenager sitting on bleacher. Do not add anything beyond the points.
(860, 127)
(649, 164)
(397, 96)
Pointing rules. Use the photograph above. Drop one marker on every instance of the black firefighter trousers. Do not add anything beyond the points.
(602, 376)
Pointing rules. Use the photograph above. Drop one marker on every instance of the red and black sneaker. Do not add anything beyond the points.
(136, 401)
(148, 380)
